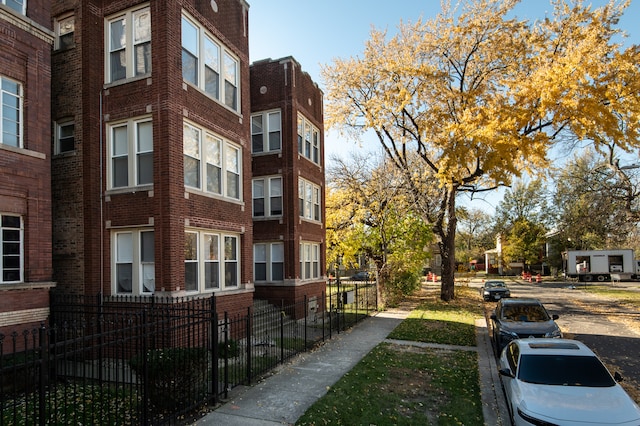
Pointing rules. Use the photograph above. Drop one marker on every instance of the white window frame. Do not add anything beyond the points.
(8, 249)
(65, 32)
(270, 124)
(10, 100)
(12, 3)
(273, 254)
(210, 55)
(129, 249)
(198, 257)
(309, 260)
(271, 190)
(129, 47)
(135, 153)
(309, 200)
(214, 162)
(61, 136)
(308, 140)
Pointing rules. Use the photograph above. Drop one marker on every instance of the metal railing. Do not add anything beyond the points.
(153, 360)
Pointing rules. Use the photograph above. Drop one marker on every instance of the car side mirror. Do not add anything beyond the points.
(506, 372)
(555, 316)
(618, 377)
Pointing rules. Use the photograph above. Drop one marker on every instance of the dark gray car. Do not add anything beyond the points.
(516, 318)
(494, 290)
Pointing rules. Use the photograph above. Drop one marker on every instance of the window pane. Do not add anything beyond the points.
(214, 171)
(191, 276)
(212, 275)
(147, 250)
(258, 207)
(260, 272)
(233, 185)
(191, 246)
(66, 137)
(124, 275)
(142, 25)
(143, 58)
(257, 144)
(230, 248)
(11, 222)
(120, 141)
(274, 131)
(189, 67)
(189, 52)
(211, 247)
(148, 278)
(274, 141)
(212, 68)
(120, 169)
(277, 271)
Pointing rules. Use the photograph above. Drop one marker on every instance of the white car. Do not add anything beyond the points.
(562, 382)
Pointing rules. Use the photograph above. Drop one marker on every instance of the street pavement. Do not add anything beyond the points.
(283, 397)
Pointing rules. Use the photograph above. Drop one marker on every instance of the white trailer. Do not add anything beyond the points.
(599, 265)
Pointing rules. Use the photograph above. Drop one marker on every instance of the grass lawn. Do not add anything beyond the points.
(406, 385)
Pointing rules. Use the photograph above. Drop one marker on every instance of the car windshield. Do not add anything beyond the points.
(494, 284)
(564, 370)
(525, 312)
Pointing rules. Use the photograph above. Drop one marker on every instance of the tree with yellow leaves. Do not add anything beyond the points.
(473, 98)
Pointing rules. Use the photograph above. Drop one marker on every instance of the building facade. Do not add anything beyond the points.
(177, 169)
(152, 151)
(25, 163)
(288, 183)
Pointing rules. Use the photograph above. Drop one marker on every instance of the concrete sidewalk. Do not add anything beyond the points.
(286, 395)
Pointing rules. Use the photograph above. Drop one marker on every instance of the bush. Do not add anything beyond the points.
(176, 377)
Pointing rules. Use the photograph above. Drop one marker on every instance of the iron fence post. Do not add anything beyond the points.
(248, 332)
(213, 320)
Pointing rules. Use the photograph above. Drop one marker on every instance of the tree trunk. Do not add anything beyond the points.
(447, 246)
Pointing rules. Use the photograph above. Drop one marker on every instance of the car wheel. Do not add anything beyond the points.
(601, 278)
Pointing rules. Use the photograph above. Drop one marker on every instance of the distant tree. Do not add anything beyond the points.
(473, 98)
(524, 243)
(591, 204)
(369, 215)
(475, 235)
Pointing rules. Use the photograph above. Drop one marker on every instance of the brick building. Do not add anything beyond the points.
(25, 162)
(152, 160)
(156, 170)
(288, 182)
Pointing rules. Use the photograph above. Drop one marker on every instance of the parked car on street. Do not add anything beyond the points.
(494, 290)
(518, 317)
(562, 382)
(361, 276)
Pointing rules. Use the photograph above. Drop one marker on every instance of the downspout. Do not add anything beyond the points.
(101, 138)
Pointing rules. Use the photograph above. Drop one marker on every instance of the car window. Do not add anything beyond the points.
(564, 370)
(524, 312)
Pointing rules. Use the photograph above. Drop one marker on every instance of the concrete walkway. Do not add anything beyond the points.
(286, 395)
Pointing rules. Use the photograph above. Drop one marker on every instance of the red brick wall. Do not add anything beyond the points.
(86, 219)
(281, 84)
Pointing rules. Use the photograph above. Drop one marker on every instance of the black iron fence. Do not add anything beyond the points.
(152, 360)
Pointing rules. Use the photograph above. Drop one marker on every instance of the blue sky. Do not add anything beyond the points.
(315, 32)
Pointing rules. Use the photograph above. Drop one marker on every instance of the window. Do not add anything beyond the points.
(267, 197)
(209, 65)
(11, 249)
(204, 268)
(309, 260)
(19, 6)
(131, 153)
(65, 137)
(309, 200)
(203, 162)
(268, 262)
(65, 28)
(308, 140)
(265, 132)
(135, 271)
(11, 113)
(129, 45)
